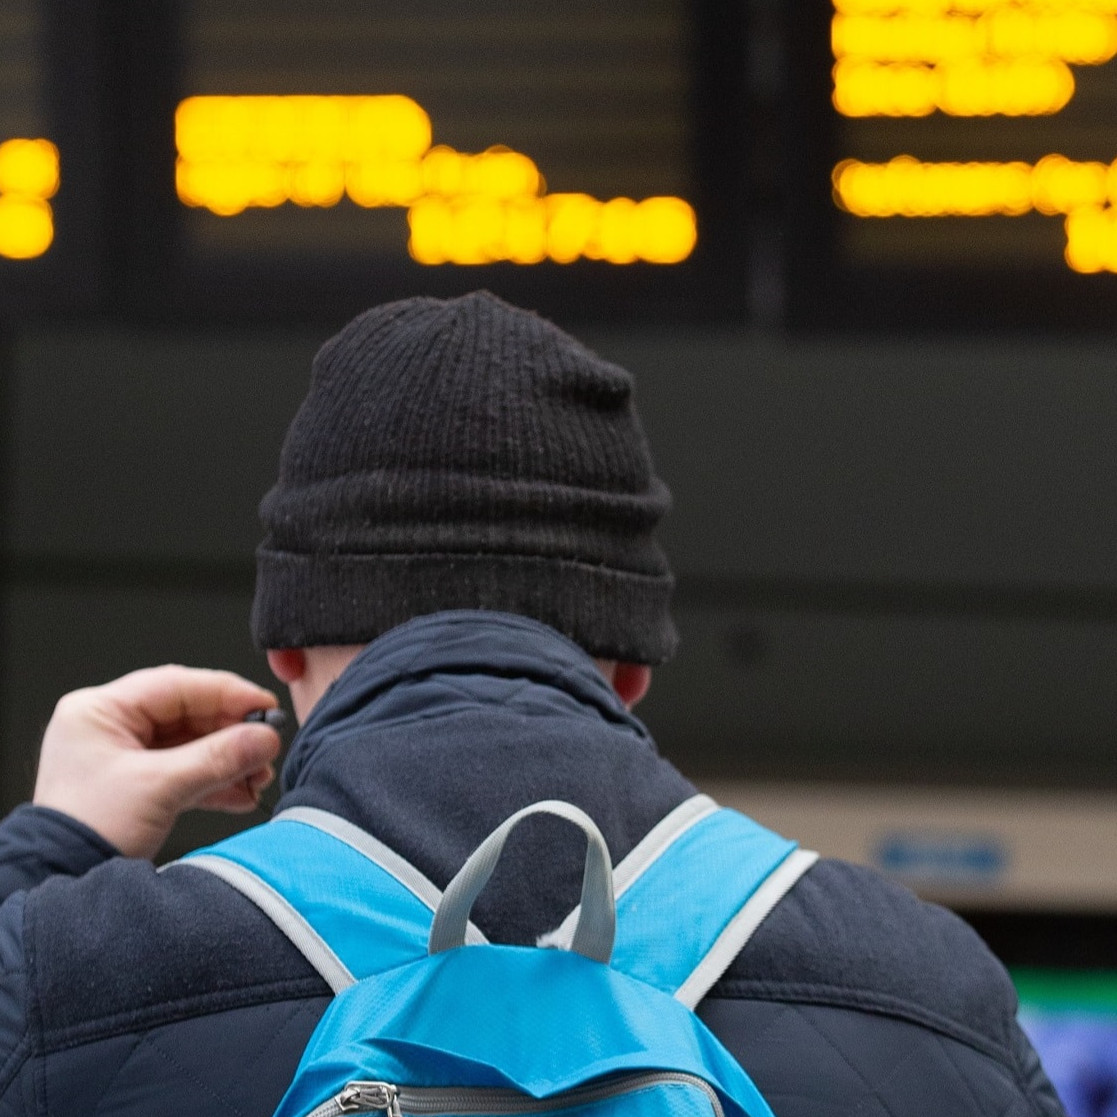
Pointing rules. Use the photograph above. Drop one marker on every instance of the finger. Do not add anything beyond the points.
(169, 702)
(217, 763)
(239, 797)
(261, 779)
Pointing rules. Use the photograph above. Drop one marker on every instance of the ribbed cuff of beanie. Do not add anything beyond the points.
(306, 600)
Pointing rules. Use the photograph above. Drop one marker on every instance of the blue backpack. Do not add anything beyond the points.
(431, 1020)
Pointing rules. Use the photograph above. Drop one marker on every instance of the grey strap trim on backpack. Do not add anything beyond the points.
(740, 928)
(644, 854)
(378, 853)
(589, 929)
(291, 922)
(306, 940)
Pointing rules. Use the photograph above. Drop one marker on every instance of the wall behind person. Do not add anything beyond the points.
(136, 461)
(897, 558)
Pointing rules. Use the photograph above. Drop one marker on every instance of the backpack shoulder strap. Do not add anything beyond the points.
(691, 894)
(740, 928)
(688, 897)
(351, 906)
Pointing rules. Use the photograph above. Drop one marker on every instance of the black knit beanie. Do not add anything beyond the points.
(464, 454)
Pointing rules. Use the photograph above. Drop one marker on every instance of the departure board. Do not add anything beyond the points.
(975, 136)
(29, 171)
(296, 159)
(436, 133)
(833, 163)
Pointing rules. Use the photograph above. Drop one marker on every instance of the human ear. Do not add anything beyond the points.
(288, 665)
(631, 682)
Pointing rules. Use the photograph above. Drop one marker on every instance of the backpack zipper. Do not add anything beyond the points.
(394, 1101)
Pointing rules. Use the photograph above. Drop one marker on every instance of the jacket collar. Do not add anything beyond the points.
(468, 644)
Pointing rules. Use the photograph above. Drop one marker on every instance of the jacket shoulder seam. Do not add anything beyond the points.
(208, 1003)
(881, 1004)
(14, 1063)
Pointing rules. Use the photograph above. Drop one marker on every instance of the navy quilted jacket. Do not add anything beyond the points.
(125, 991)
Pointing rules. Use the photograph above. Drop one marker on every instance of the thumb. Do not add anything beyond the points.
(210, 764)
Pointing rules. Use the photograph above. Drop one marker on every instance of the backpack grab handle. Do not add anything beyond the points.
(593, 935)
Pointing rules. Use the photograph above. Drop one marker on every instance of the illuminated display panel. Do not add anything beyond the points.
(972, 152)
(53, 227)
(29, 171)
(235, 154)
(435, 135)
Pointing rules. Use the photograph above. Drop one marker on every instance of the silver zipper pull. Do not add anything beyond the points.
(365, 1097)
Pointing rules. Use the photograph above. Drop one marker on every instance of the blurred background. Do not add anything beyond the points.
(860, 255)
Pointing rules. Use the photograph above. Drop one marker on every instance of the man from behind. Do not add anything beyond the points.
(461, 588)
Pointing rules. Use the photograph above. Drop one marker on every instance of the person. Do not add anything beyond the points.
(461, 587)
